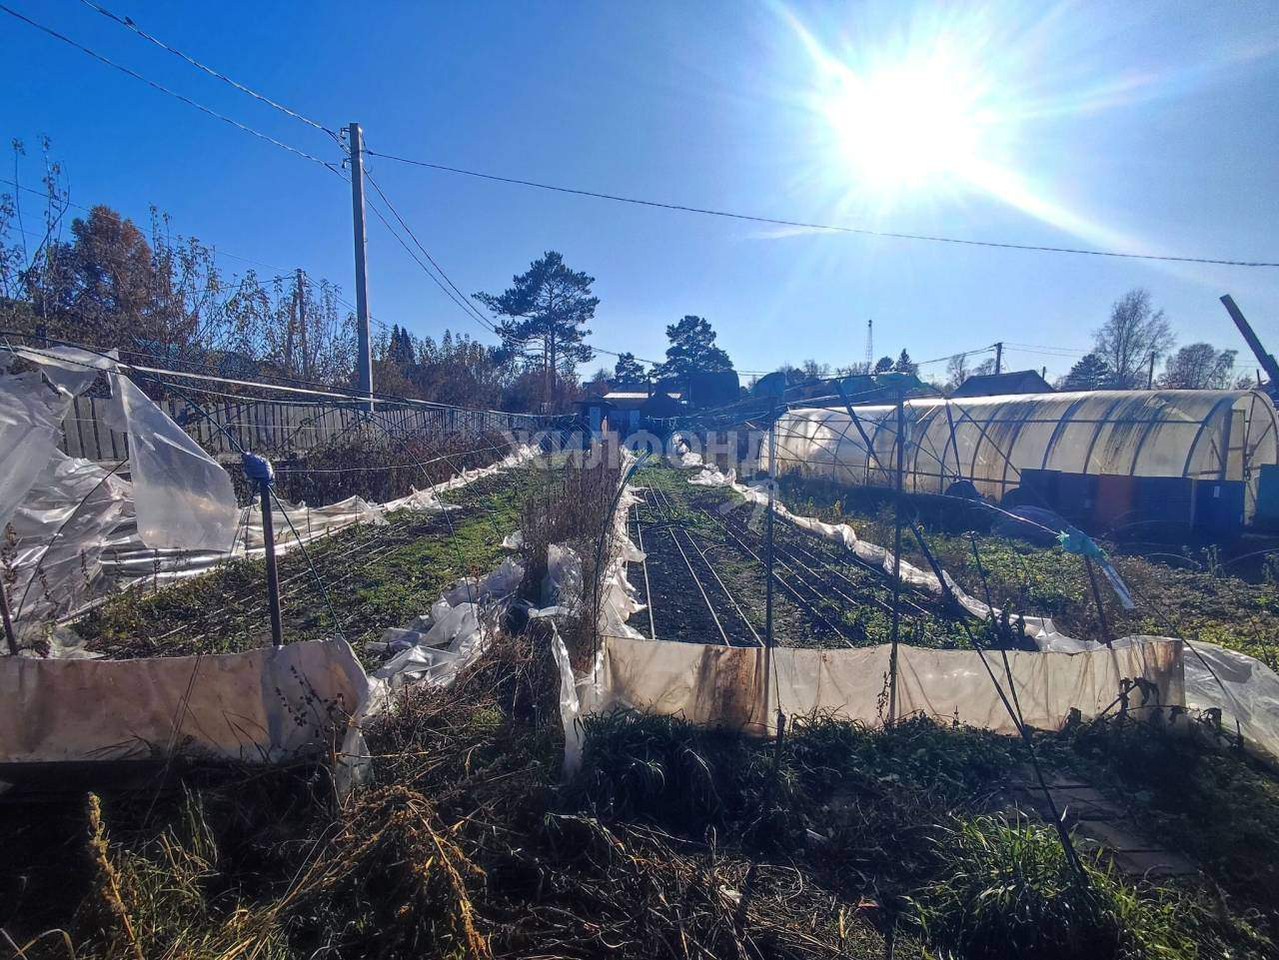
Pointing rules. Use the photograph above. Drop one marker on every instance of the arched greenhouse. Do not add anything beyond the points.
(1109, 458)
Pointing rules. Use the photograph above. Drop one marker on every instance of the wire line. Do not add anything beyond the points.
(129, 23)
(165, 90)
(470, 309)
(837, 228)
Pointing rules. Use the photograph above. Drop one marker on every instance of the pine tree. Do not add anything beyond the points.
(542, 317)
(629, 370)
(692, 350)
(1089, 373)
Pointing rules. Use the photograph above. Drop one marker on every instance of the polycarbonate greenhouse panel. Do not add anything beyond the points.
(1195, 434)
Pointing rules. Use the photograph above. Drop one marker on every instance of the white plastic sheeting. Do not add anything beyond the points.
(1242, 687)
(70, 369)
(1201, 434)
(737, 687)
(183, 499)
(436, 647)
(97, 548)
(30, 424)
(61, 532)
(262, 705)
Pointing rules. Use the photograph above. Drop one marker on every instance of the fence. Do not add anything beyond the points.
(275, 426)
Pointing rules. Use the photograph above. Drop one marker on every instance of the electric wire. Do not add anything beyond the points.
(460, 298)
(836, 228)
(131, 24)
(167, 91)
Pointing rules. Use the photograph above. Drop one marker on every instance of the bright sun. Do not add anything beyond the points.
(906, 125)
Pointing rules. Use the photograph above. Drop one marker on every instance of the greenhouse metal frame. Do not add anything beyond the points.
(999, 444)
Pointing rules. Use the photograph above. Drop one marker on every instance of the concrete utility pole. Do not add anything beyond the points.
(1150, 375)
(999, 357)
(364, 360)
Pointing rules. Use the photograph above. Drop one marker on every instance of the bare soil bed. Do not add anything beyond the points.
(706, 548)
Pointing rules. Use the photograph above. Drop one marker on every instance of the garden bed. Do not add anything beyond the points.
(376, 576)
(1171, 600)
(671, 841)
(823, 596)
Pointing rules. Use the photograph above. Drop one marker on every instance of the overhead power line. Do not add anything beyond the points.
(460, 297)
(425, 269)
(807, 225)
(129, 23)
(165, 90)
(952, 356)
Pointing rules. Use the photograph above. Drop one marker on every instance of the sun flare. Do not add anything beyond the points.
(908, 125)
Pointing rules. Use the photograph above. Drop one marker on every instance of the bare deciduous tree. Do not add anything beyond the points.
(1199, 366)
(1134, 332)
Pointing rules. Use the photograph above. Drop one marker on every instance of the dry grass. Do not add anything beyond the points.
(573, 509)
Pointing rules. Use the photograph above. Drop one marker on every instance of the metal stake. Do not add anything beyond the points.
(10, 637)
(259, 470)
(1096, 595)
(768, 560)
(897, 557)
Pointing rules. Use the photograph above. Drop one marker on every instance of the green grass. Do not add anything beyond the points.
(224, 611)
(1006, 889)
(1039, 581)
(913, 812)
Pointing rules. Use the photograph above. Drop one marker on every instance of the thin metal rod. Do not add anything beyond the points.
(769, 556)
(768, 527)
(272, 572)
(1096, 595)
(10, 637)
(1013, 708)
(648, 591)
(897, 557)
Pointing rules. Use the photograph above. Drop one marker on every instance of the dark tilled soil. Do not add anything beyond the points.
(822, 597)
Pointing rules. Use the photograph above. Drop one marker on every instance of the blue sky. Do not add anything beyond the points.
(1146, 127)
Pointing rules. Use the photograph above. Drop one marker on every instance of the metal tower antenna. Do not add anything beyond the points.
(870, 344)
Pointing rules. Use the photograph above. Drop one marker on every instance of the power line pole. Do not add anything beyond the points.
(999, 357)
(1150, 374)
(364, 360)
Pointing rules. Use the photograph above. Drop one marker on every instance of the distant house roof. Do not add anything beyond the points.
(713, 388)
(1003, 384)
(661, 406)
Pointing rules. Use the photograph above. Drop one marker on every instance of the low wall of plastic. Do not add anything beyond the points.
(260, 706)
(743, 688)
